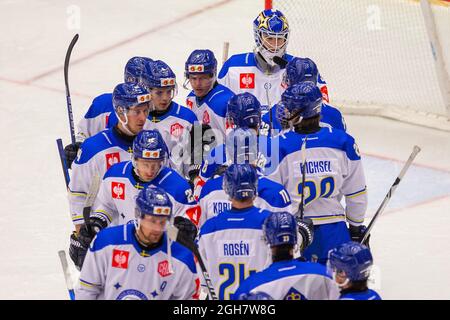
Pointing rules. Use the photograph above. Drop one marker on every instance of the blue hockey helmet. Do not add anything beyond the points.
(352, 258)
(134, 69)
(299, 70)
(149, 144)
(255, 296)
(303, 99)
(127, 95)
(200, 61)
(158, 74)
(271, 23)
(153, 201)
(280, 228)
(240, 181)
(243, 111)
(241, 146)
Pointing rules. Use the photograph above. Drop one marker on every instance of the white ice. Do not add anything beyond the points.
(410, 241)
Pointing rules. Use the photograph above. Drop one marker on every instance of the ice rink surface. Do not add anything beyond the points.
(410, 242)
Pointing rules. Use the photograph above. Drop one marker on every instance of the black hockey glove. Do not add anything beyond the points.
(79, 242)
(305, 228)
(193, 171)
(357, 234)
(186, 227)
(71, 151)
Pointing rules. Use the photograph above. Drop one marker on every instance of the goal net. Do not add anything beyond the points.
(377, 56)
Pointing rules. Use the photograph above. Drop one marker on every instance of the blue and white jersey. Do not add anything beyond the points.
(333, 170)
(96, 155)
(369, 294)
(116, 199)
(100, 116)
(118, 268)
(241, 74)
(212, 108)
(233, 246)
(329, 117)
(272, 196)
(291, 280)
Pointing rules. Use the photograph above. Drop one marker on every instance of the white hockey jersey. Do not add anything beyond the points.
(291, 280)
(118, 268)
(272, 196)
(333, 170)
(232, 246)
(116, 199)
(241, 74)
(212, 108)
(96, 155)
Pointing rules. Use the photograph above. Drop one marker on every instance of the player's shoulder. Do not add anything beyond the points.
(246, 59)
(218, 99)
(94, 145)
(369, 294)
(210, 186)
(174, 184)
(112, 236)
(184, 113)
(121, 169)
(100, 104)
(272, 192)
(184, 255)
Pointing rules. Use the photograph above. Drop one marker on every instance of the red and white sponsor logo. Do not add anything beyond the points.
(112, 158)
(196, 294)
(194, 214)
(189, 103)
(176, 130)
(206, 118)
(120, 259)
(118, 190)
(324, 91)
(163, 268)
(106, 121)
(247, 81)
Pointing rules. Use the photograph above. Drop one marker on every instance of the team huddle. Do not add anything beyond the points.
(251, 172)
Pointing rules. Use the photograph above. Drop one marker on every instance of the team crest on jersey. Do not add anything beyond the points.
(120, 259)
(163, 268)
(176, 130)
(118, 190)
(247, 80)
(294, 295)
(111, 159)
(131, 294)
(206, 118)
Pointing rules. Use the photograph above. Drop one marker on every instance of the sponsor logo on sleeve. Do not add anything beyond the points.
(247, 81)
(120, 259)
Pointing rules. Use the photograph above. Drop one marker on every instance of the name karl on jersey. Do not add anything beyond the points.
(219, 207)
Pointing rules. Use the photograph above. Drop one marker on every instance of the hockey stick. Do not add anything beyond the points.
(90, 199)
(388, 196)
(65, 267)
(66, 81)
(175, 235)
(226, 46)
(62, 157)
(301, 206)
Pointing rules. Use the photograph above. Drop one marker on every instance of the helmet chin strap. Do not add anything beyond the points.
(125, 124)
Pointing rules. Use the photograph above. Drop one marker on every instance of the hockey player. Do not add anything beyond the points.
(122, 182)
(137, 261)
(243, 111)
(257, 72)
(172, 120)
(350, 265)
(98, 153)
(100, 114)
(287, 278)
(231, 243)
(242, 147)
(300, 70)
(333, 170)
(208, 99)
